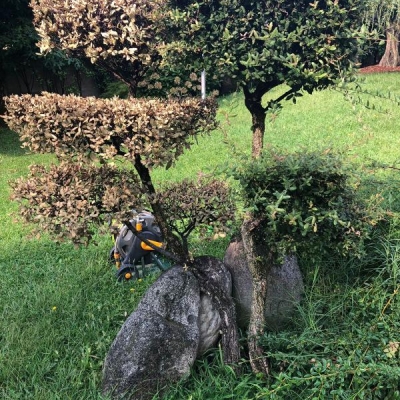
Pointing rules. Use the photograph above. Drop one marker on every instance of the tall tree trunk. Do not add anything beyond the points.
(254, 251)
(391, 55)
(253, 103)
(260, 261)
(260, 258)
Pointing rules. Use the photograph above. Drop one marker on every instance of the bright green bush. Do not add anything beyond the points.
(304, 201)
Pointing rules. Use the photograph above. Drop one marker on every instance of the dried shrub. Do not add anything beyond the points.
(157, 130)
(119, 35)
(202, 203)
(69, 200)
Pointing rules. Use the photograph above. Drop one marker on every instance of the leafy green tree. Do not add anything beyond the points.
(263, 44)
(301, 203)
(383, 15)
(301, 46)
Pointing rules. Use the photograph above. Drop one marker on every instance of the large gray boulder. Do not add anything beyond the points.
(160, 340)
(284, 289)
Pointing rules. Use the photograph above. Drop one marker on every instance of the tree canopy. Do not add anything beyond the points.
(120, 36)
(304, 45)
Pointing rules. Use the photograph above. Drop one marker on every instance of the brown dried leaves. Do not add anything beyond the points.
(69, 200)
(120, 29)
(157, 130)
(202, 203)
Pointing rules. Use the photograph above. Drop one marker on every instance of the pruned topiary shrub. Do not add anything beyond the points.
(70, 201)
(187, 211)
(145, 132)
(83, 127)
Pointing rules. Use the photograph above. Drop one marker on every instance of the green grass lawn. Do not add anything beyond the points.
(321, 120)
(60, 307)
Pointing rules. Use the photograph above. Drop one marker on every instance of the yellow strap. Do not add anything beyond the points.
(145, 246)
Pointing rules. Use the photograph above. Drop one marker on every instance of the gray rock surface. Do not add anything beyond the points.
(284, 290)
(209, 320)
(160, 340)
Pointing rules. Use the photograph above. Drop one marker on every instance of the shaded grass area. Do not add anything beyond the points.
(60, 307)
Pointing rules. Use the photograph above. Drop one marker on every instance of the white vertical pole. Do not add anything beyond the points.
(203, 84)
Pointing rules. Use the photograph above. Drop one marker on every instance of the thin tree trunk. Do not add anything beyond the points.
(254, 252)
(391, 55)
(260, 261)
(174, 243)
(258, 115)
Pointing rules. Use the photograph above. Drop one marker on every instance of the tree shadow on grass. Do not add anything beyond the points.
(10, 144)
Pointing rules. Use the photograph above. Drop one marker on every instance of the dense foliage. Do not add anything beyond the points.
(305, 45)
(261, 45)
(70, 201)
(119, 36)
(146, 132)
(156, 130)
(305, 200)
(302, 203)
